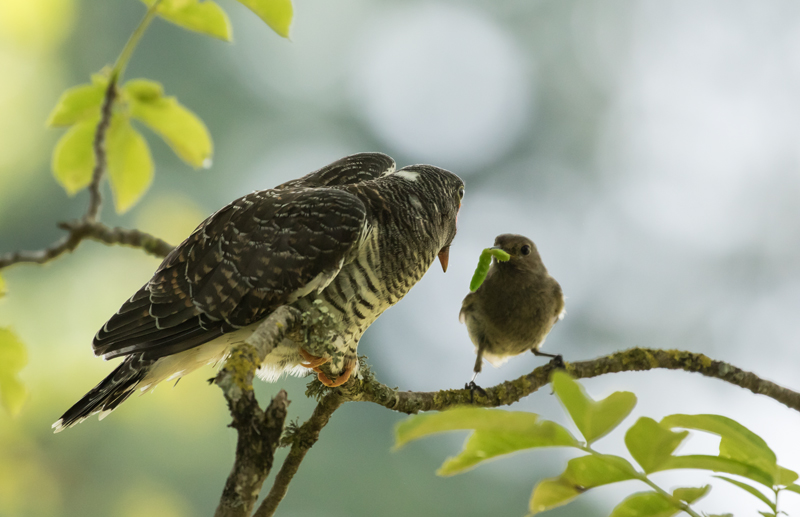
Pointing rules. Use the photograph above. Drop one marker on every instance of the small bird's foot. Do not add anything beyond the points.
(312, 361)
(557, 362)
(341, 379)
(472, 387)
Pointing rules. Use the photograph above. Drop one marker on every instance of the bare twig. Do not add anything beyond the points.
(259, 435)
(302, 440)
(81, 230)
(99, 148)
(137, 239)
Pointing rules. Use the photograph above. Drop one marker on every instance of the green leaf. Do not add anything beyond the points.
(203, 17)
(785, 476)
(716, 464)
(462, 418)
(594, 419)
(749, 489)
(651, 444)
(2, 287)
(645, 504)
(691, 494)
(13, 358)
(551, 493)
(143, 90)
(737, 443)
(275, 13)
(581, 474)
(183, 131)
(597, 470)
(467, 418)
(78, 103)
(486, 445)
(130, 167)
(73, 157)
(793, 488)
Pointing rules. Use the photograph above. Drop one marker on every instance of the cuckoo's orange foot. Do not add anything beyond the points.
(341, 379)
(312, 361)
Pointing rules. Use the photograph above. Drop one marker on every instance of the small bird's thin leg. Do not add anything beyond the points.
(471, 386)
(556, 360)
(478, 363)
(312, 361)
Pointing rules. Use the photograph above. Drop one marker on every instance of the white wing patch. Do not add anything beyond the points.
(409, 175)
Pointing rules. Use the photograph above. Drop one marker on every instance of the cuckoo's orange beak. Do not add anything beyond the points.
(444, 257)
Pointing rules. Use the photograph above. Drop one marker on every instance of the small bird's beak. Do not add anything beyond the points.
(444, 257)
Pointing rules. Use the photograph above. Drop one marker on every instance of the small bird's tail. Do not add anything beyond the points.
(107, 395)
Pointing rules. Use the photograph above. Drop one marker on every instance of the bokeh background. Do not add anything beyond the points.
(650, 149)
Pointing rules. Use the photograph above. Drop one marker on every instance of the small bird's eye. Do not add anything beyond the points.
(526, 250)
(461, 193)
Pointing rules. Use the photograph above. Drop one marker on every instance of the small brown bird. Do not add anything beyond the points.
(515, 307)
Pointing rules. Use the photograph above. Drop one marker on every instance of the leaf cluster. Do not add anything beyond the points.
(652, 445)
(129, 162)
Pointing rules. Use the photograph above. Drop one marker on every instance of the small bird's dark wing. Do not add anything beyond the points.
(349, 170)
(261, 251)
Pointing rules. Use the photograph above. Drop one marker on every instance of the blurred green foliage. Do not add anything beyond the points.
(652, 444)
(129, 162)
(204, 17)
(13, 359)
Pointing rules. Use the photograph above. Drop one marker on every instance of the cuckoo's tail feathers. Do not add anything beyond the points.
(110, 393)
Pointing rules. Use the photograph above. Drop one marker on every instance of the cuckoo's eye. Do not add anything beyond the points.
(526, 250)
(461, 193)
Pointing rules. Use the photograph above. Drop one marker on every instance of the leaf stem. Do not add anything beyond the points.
(130, 46)
(683, 505)
(777, 491)
(677, 503)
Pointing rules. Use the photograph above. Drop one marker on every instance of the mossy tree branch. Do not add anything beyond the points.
(259, 433)
(635, 359)
(302, 439)
(368, 389)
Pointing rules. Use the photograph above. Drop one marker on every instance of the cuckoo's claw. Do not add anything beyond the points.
(341, 379)
(312, 361)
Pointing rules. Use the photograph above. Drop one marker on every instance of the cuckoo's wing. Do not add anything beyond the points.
(347, 171)
(262, 251)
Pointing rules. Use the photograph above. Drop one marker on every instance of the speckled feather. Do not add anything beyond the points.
(236, 268)
(354, 236)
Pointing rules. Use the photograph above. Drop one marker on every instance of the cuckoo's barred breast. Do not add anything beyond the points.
(348, 240)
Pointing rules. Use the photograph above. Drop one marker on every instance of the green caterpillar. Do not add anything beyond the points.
(483, 265)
